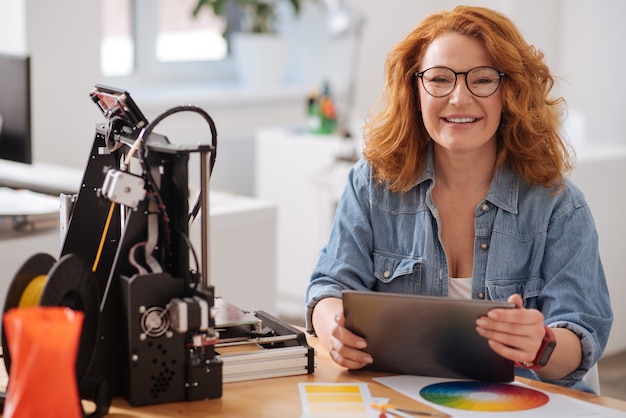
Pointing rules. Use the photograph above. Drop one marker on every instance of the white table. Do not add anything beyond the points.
(242, 240)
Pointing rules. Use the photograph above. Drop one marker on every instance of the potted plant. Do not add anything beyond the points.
(258, 16)
(259, 52)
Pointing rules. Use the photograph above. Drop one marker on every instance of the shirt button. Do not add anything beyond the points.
(386, 274)
(484, 207)
(481, 295)
(484, 245)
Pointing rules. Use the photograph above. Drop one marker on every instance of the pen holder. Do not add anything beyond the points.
(43, 345)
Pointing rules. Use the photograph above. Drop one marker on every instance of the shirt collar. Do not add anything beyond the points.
(504, 189)
(429, 169)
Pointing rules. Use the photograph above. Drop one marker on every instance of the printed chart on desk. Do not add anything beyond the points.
(459, 398)
(334, 400)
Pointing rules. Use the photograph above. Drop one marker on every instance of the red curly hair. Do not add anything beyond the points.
(528, 136)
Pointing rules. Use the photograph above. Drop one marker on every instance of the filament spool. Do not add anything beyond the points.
(32, 292)
(29, 275)
(68, 282)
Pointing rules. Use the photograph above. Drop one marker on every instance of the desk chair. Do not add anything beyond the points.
(592, 379)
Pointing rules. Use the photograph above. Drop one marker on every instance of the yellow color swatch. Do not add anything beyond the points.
(335, 399)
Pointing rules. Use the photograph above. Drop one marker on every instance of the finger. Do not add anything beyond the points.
(517, 343)
(526, 333)
(512, 353)
(346, 362)
(346, 336)
(345, 346)
(340, 319)
(518, 316)
(348, 356)
(516, 299)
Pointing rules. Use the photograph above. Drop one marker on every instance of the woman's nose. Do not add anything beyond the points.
(460, 93)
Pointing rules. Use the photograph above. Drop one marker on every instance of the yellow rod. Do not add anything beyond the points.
(104, 234)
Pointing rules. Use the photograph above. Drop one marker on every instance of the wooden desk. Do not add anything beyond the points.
(279, 397)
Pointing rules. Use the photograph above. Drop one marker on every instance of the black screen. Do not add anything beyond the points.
(15, 124)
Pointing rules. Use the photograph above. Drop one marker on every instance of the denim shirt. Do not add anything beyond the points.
(535, 241)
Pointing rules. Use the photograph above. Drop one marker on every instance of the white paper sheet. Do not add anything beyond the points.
(557, 406)
(330, 400)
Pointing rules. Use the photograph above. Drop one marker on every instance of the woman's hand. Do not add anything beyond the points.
(344, 347)
(515, 334)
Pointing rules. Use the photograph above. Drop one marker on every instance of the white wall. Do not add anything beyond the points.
(591, 61)
(63, 36)
(12, 27)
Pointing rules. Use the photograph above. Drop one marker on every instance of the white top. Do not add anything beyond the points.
(460, 288)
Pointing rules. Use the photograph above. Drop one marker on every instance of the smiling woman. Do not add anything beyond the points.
(468, 180)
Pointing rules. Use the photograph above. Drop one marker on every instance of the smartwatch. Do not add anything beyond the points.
(545, 351)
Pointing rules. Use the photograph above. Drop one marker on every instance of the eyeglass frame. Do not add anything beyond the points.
(420, 74)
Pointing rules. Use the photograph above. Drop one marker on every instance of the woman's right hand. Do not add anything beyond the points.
(344, 347)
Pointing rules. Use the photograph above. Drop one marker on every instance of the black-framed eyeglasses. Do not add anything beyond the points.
(441, 81)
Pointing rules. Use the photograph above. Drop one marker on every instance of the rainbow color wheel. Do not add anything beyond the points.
(483, 396)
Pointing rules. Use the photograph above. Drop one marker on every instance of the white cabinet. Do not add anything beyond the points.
(303, 175)
(600, 173)
(242, 245)
(242, 249)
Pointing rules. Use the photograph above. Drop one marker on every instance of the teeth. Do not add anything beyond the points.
(461, 120)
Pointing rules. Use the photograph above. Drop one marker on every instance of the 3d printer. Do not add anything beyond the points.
(149, 329)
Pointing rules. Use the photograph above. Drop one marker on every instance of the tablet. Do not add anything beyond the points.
(425, 335)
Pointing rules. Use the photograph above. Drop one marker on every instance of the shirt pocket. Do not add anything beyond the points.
(529, 289)
(396, 273)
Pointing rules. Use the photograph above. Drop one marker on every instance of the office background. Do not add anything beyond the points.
(582, 41)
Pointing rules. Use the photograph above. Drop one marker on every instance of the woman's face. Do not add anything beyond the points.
(459, 122)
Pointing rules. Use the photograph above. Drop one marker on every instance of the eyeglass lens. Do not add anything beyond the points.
(440, 81)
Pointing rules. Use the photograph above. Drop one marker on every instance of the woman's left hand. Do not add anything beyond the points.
(515, 334)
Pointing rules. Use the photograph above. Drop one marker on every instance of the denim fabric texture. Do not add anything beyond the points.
(532, 240)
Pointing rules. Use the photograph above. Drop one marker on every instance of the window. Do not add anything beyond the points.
(180, 37)
(160, 40)
(117, 46)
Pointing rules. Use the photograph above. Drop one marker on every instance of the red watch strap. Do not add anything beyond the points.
(548, 339)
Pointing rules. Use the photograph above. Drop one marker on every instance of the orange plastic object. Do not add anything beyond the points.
(43, 344)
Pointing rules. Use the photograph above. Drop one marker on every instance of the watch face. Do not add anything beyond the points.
(545, 356)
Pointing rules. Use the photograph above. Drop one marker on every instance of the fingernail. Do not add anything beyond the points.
(481, 322)
(360, 344)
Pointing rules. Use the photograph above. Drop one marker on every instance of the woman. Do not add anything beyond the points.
(461, 192)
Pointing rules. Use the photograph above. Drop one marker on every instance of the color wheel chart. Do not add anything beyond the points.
(483, 396)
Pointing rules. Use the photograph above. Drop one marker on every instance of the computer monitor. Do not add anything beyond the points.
(15, 111)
